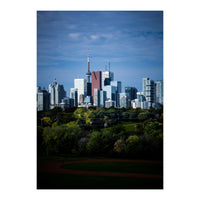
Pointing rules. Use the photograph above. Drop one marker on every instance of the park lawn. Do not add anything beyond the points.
(50, 159)
(116, 166)
(68, 181)
(129, 126)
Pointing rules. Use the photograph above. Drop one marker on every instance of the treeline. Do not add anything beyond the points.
(134, 133)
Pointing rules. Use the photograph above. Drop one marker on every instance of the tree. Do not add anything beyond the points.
(46, 121)
(133, 146)
(153, 128)
(119, 146)
(94, 146)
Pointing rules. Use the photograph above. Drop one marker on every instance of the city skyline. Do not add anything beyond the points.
(132, 41)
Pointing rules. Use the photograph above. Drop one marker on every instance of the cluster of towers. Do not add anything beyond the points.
(101, 91)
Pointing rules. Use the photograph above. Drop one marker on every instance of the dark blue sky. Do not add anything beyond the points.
(132, 41)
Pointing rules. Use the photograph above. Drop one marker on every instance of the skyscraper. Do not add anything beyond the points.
(149, 90)
(102, 98)
(110, 92)
(81, 85)
(96, 81)
(74, 95)
(159, 91)
(107, 77)
(57, 93)
(43, 100)
(118, 86)
(132, 91)
(124, 102)
(96, 97)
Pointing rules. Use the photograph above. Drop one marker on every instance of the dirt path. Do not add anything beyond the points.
(55, 168)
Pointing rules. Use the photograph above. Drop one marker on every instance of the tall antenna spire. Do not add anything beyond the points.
(88, 74)
(109, 66)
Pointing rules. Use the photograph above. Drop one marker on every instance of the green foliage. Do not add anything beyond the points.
(153, 128)
(129, 132)
(143, 115)
(119, 146)
(46, 121)
(94, 146)
(133, 139)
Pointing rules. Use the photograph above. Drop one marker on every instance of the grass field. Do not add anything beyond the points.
(127, 167)
(73, 181)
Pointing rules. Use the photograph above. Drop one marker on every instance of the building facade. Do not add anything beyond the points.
(132, 91)
(102, 98)
(96, 81)
(96, 97)
(110, 103)
(159, 91)
(124, 102)
(74, 95)
(81, 85)
(149, 90)
(107, 77)
(110, 92)
(43, 100)
(57, 93)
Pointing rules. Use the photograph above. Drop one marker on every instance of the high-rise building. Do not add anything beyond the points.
(124, 102)
(159, 91)
(74, 95)
(81, 85)
(96, 81)
(67, 103)
(132, 91)
(81, 99)
(107, 77)
(110, 103)
(124, 94)
(88, 100)
(57, 93)
(110, 92)
(149, 90)
(118, 85)
(102, 98)
(96, 97)
(43, 100)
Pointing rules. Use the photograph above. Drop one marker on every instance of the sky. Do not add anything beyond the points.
(132, 41)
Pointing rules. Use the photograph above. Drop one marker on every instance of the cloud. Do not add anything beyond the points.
(94, 37)
(74, 35)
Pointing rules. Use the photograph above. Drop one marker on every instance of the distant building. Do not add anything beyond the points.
(96, 97)
(43, 100)
(107, 77)
(89, 89)
(111, 92)
(149, 90)
(81, 99)
(102, 98)
(140, 102)
(74, 95)
(67, 103)
(96, 82)
(57, 93)
(124, 103)
(159, 91)
(81, 85)
(88, 100)
(110, 103)
(132, 91)
(118, 85)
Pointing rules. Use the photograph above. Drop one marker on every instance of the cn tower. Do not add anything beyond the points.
(88, 74)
